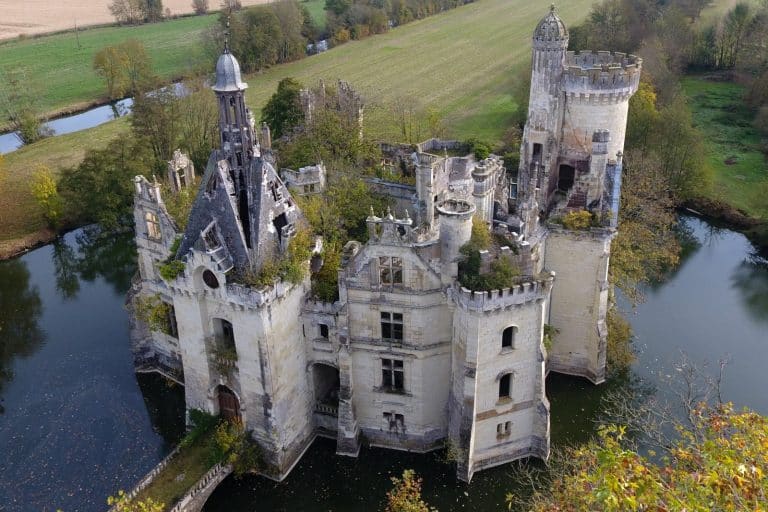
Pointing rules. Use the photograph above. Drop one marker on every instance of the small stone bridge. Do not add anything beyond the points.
(196, 496)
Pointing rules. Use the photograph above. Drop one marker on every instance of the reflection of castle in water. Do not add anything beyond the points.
(406, 358)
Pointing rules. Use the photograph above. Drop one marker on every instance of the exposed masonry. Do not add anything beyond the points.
(406, 358)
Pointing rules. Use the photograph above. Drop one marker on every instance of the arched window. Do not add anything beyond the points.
(505, 386)
(508, 337)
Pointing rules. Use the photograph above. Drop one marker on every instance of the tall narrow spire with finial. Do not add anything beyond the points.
(227, 31)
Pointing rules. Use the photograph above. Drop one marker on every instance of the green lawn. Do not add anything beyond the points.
(741, 171)
(316, 10)
(62, 74)
(463, 62)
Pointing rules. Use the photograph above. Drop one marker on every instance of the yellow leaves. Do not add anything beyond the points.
(44, 190)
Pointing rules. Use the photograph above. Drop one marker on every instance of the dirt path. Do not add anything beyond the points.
(40, 16)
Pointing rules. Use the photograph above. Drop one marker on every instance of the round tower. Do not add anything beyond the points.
(597, 88)
(455, 231)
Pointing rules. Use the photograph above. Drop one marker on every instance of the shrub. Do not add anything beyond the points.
(172, 269)
(202, 423)
(43, 188)
(480, 149)
(154, 312)
(576, 221)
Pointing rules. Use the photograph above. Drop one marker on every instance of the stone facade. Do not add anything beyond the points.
(406, 358)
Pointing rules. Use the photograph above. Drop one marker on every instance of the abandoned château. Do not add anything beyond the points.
(406, 358)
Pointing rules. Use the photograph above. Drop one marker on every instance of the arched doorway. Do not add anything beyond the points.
(229, 405)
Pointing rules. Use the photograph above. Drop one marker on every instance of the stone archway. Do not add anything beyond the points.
(229, 405)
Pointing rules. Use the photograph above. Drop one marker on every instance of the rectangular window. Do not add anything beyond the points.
(504, 429)
(323, 331)
(392, 374)
(153, 226)
(390, 270)
(392, 326)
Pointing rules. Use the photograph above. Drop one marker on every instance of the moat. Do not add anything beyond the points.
(77, 423)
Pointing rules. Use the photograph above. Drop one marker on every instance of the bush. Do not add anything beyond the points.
(154, 312)
(172, 269)
(43, 188)
(200, 6)
(202, 423)
(480, 149)
(577, 221)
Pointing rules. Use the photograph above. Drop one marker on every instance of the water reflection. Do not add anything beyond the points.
(750, 278)
(94, 254)
(20, 309)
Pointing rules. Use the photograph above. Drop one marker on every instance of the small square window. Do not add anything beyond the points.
(390, 270)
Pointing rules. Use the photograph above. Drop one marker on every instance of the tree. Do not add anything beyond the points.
(283, 111)
(721, 463)
(43, 188)
(152, 10)
(122, 503)
(128, 12)
(110, 64)
(734, 35)
(18, 105)
(100, 189)
(645, 245)
(156, 123)
(405, 495)
(138, 67)
(200, 6)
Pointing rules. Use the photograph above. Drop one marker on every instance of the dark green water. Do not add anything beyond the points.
(77, 424)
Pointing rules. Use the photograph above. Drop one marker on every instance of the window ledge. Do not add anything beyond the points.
(507, 350)
(391, 391)
(504, 400)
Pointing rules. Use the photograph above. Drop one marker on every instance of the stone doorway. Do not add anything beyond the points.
(326, 384)
(229, 405)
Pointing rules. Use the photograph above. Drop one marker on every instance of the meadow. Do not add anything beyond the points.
(61, 74)
(463, 62)
(733, 144)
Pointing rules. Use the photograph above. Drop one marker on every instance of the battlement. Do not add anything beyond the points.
(608, 75)
(527, 291)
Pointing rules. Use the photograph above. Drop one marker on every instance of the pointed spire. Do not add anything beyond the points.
(552, 7)
(227, 32)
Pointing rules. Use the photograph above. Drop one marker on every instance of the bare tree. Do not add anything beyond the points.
(200, 6)
(129, 12)
(231, 5)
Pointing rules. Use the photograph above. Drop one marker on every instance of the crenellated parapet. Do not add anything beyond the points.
(601, 77)
(525, 292)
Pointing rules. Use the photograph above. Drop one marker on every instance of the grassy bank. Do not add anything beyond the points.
(463, 62)
(740, 168)
(20, 216)
(61, 73)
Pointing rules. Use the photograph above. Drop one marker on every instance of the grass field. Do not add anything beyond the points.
(62, 75)
(316, 10)
(462, 62)
(741, 170)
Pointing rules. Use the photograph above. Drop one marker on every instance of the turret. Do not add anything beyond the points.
(455, 231)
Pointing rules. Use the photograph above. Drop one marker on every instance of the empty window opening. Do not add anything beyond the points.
(211, 239)
(324, 331)
(392, 374)
(153, 226)
(173, 328)
(390, 270)
(504, 429)
(566, 177)
(537, 151)
(392, 326)
(395, 422)
(505, 386)
(279, 222)
(508, 337)
(209, 278)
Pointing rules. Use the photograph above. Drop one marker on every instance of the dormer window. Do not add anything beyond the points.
(390, 270)
(153, 226)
